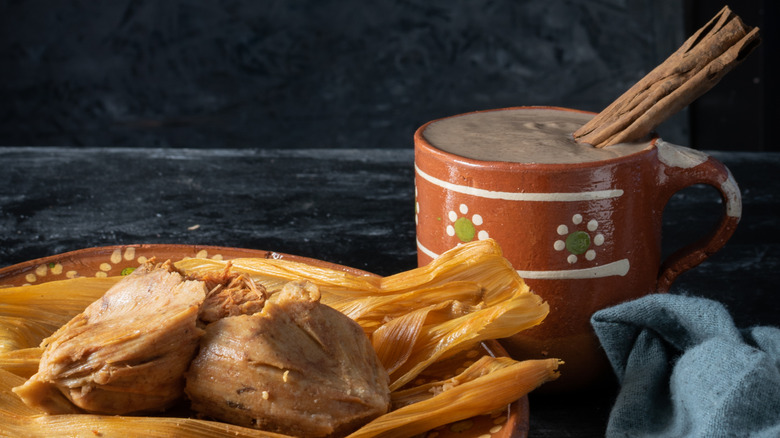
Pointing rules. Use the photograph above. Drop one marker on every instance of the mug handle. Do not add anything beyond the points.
(682, 167)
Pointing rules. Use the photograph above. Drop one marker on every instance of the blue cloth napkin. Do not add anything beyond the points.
(686, 370)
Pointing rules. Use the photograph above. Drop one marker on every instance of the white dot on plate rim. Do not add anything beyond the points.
(116, 256)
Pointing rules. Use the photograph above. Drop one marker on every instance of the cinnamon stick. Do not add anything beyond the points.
(691, 71)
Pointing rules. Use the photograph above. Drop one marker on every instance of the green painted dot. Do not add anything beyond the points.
(465, 230)
(578, 242)
(127, 271)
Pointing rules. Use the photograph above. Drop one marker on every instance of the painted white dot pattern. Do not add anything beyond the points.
(461, 217)
(119, 259)
(579, 237)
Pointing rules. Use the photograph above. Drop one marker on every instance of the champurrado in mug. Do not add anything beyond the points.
(533, 135)
(582, 225)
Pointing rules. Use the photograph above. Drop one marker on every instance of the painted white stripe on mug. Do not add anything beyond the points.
(618, 268)
(425, 250)
(521, 196)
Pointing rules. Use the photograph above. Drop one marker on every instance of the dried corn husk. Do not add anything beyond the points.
(22, 362)
(441, 332)
(30, 313)
(487, 385)
(18, 333)
(481, 262)
(273, 274)
(371, 312)
(341, 288)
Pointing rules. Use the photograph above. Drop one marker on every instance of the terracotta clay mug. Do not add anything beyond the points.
(581, 225)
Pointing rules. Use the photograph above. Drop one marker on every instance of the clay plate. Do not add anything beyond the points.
(113, 260)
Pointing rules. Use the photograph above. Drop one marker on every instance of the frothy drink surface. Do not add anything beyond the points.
(521, 135)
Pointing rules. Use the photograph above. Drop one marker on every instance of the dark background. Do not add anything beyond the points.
(350, 73)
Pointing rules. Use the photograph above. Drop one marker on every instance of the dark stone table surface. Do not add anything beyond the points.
(353, 207)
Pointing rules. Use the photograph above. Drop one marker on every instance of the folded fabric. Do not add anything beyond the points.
(686, 370)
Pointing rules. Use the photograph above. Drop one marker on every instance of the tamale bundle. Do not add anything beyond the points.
(414, 321)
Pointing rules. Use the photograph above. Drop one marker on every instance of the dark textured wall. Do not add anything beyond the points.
(311, 73)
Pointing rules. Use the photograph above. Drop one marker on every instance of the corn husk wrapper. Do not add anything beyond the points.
(414, 318)
(487, 385)
(23, 362)
(422, 337)
(28, 314)
(273, 274)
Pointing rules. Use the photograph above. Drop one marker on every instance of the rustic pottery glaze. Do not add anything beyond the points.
(584, 236)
